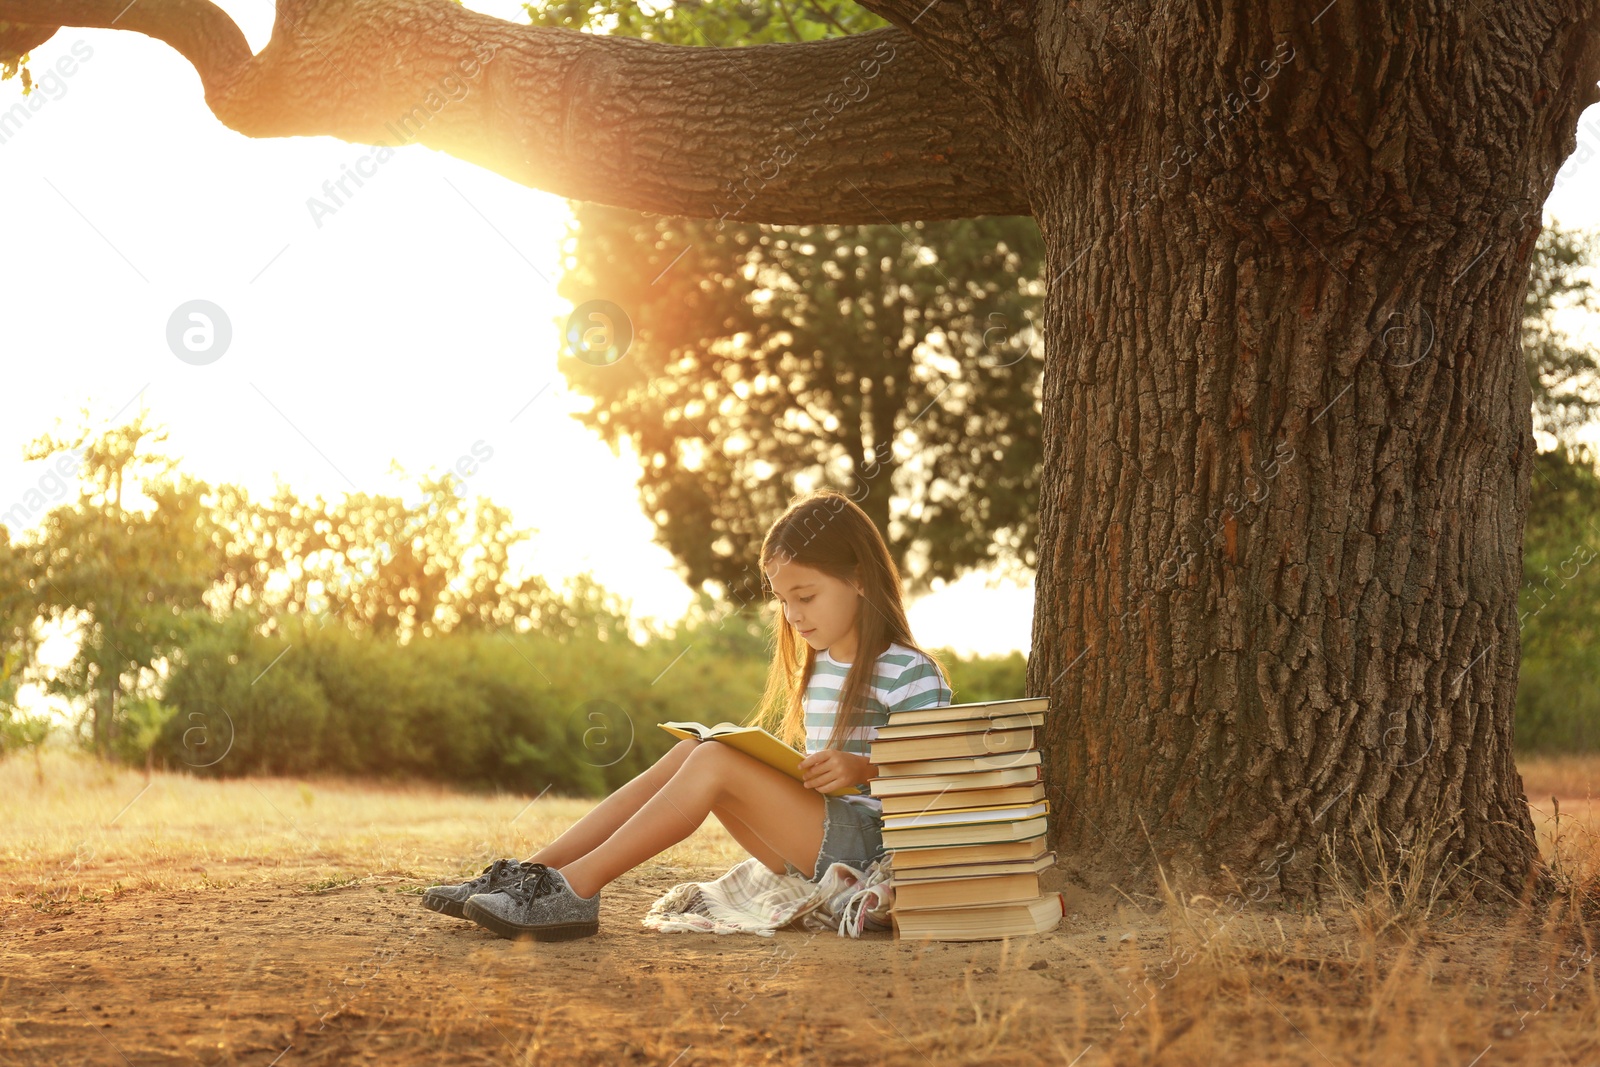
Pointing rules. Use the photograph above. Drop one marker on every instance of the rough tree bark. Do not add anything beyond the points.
(1289, 430)
(1288, 434)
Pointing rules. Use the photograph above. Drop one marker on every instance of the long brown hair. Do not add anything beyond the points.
(826, 531)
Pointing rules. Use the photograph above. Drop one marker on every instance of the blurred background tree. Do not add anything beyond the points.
(899, 363)
(1564, 375)
(392, 568)
(128, 580)
(19, 638)
(1558, 689)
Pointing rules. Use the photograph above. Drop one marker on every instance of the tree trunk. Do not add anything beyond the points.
(1288, 443)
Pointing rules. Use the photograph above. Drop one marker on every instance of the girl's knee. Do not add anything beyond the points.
(701, 751)
(709, 764)
(711, 758)
(678, 754)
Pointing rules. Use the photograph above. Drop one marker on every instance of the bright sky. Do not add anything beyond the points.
(415, 322)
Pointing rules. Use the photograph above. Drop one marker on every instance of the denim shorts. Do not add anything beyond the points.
(851, 833)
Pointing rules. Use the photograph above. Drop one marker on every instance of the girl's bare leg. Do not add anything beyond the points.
(752, 842)
(601, 821)
(780, 811)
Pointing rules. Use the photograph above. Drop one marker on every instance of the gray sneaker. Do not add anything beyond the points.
(449, 899)
(541, 906)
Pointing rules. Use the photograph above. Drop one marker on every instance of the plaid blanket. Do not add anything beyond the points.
(751, 899)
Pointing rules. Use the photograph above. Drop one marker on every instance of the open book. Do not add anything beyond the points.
(754, 742)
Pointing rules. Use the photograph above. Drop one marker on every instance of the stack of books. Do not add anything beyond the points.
(964, 821)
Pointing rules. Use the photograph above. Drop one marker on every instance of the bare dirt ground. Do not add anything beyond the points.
(276, 921)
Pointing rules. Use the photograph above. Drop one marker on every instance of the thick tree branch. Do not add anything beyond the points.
(987, 46)
(861, 129)
(200, 31)
(920, 16)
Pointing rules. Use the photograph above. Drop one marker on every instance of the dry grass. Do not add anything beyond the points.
(184, 920)
(78, 817)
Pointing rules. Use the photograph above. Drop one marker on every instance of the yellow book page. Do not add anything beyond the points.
(757, 744)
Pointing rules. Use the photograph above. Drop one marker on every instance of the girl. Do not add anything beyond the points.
(842, 643)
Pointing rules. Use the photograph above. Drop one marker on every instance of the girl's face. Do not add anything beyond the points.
(820, 607)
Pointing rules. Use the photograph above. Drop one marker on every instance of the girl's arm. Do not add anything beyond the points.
(866, 770)
(832, 767)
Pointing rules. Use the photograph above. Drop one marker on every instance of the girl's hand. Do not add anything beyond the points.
(832, 769)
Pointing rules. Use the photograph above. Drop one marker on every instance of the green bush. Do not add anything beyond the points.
(571, 713)
(975, 679)
(1558, 700)
(519, 711)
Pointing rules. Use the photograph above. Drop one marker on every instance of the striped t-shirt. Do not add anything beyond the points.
(903, 679)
